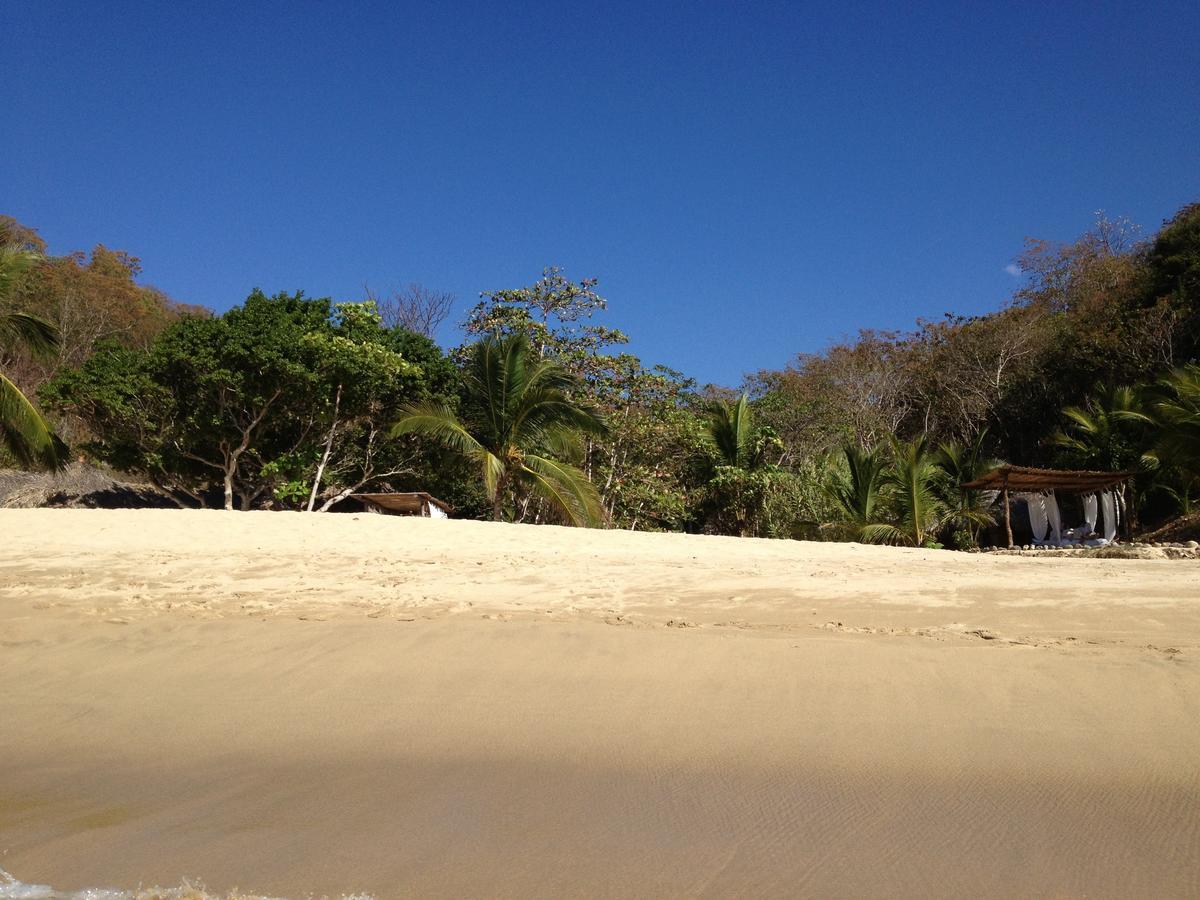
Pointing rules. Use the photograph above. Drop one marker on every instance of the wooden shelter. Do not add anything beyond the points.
(1028, 480)
(412, 503)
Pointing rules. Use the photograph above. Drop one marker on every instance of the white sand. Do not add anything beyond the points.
(302, 704)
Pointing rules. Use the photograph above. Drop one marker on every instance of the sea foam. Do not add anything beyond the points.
(11, 889)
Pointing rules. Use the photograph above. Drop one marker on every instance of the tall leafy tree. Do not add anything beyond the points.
(520, 426)
(649, 467)
(554, 313)
(1173, 281)
(88, 298)
(283, 401)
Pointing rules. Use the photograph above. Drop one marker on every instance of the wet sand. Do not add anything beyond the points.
(334, 704)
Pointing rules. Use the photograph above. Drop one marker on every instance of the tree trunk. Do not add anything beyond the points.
(316, 485)
(1007, 515)
(498, 500)
(233, 456)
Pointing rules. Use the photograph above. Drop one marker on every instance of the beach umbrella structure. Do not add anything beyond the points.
(1099, 492)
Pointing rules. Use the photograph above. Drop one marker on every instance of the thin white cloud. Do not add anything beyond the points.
(1013, 269)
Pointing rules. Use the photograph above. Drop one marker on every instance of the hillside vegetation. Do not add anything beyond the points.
(293, 402)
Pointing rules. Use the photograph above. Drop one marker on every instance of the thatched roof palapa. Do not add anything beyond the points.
(413, 503)
(1023, 478)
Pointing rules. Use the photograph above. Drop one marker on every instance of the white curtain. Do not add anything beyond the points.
(1089, 511)
(1038, 520)
(1109, 507)
(1054, 517)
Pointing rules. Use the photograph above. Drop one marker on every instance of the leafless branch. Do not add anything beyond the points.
(415, 308)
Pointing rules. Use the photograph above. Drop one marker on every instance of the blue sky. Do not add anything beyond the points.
(747, 180)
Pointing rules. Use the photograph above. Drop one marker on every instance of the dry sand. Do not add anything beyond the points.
(330, 704)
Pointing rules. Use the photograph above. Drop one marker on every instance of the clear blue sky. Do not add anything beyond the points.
(748, 180)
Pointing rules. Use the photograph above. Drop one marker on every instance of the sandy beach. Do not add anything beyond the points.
(329, 704)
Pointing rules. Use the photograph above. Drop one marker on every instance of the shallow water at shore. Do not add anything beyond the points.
(12, 889)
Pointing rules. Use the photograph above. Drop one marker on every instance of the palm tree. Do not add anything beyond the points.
(1112, 431)
(918, 510)
(1177, 412)
(1108, 432)
(731, 430)
(519, 422)
(961, 463)
(1176, 451)
(743, 483)
(858, 493)
(23, 431)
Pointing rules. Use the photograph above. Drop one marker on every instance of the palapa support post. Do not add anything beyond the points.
(1007, 514)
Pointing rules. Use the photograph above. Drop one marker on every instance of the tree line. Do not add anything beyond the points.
(292, 402)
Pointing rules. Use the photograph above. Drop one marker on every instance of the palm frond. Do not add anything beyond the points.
(517, 409)
(492, 470)
(730, 428)
(38, 335)
(1178, 415)
(566, 488)
(919, 510)
(563, 443)
(25, 433)
(15, 260)
(547, 414)
(881, 533)
(1083, 419)
(437, 421)
(859, 492)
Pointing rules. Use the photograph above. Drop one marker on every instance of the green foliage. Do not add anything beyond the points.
(1174, 260)
(289, 402)
(906, 493)
(1174, 405)
(520, 427)
(966, 510)
(744, 482)
(283, 401)
(856, 488)
(651, 463)
(917, 510)
(730, 430)
(24, 433)
(552, 313)
(1107, 433)
(1176, 411)
(15, 261)
(738, 499)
